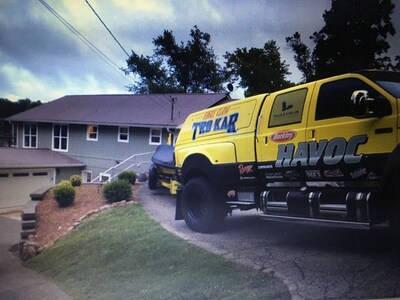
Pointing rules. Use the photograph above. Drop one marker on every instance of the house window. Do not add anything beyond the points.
(86, 176)
(155, 136)
(104, 177)
(123, 134)
(60, 137)
(30, 135)
(92, 133)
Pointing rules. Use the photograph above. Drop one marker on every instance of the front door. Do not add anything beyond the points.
(281, 128)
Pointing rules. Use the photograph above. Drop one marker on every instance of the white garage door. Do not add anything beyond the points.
(17, 184)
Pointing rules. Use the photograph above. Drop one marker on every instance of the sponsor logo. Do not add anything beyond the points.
(328, 152)
(225, 123)
(313, 174)
(333, 173)
(245, 169)
(276, 175)
(285, 106)
(262, 167)
(358, 173)
(283, 136)
(292, 175)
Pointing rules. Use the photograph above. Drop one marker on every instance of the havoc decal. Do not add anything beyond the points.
(225, 123)
(330, 152)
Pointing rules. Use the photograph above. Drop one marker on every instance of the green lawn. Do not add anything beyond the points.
(123, 254)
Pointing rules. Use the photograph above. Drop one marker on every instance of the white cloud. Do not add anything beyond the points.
(24, 84)
(41, 59)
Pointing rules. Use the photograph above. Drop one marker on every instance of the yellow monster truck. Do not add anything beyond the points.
(324, 152)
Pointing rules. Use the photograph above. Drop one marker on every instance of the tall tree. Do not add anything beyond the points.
(176, 67)
(259, 70)
(354, 37)
(9, 108)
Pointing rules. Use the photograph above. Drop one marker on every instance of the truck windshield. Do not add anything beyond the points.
(391, 86)
(389, 81)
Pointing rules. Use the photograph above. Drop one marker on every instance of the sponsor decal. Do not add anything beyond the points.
(283, 136)
(333, 173)
(313, 174)
(245, 169)
(247, 177)
(276, 175)
(286, 106)
(292, 175)
(372, 176)
(223, 123)
(216, 112)
(329, 152)
(262, 167)
(358, 173)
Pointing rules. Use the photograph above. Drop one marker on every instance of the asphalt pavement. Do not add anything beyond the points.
(16, 281)
(313, 262)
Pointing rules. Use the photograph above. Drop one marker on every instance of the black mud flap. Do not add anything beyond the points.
(178, 211)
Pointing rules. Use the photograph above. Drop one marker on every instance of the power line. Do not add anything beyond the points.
(83, 39)
(89, 44)
(104, 24)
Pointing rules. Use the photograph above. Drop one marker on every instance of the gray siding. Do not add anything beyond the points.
(105, 152)
(66, 173)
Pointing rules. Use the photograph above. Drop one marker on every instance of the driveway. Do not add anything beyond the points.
(314, 262)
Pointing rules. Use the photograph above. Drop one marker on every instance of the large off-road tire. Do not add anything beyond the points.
(391, 193)
(152, 183)
(202, 208)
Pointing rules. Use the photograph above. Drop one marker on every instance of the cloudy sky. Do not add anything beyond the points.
(42, 59)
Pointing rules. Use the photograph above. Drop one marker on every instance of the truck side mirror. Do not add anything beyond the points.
(362, 104)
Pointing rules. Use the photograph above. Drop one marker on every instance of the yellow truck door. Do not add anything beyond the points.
(282, 123)
(343, 142)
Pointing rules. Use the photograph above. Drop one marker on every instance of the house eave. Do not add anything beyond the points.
(42, 166)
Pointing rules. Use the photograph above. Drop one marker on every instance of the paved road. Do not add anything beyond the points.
(314, 262)
(16, 281)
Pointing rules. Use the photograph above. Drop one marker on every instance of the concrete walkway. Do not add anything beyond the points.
(16, 281)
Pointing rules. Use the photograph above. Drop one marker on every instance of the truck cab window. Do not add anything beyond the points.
(334, 98)
(288, 108)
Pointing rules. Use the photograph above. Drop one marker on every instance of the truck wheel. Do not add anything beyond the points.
(152, 183)
(202, 209)
(391, 193)
(394, 210)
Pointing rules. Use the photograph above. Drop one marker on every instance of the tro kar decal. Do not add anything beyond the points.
(223, 123)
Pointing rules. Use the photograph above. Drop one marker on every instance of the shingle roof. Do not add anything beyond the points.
(125, 110)
(11, 158)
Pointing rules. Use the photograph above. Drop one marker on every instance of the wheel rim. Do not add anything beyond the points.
(196, 206)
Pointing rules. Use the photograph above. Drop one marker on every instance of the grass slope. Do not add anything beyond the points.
(123, 254)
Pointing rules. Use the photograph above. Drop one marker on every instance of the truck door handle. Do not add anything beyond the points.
(311, 134)
(383, 130)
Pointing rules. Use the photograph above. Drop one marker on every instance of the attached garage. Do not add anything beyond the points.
(23, 171)
(17, 184)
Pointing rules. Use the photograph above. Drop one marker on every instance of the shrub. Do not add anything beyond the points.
(64, 194)
(117, 190)
(129, 176)
(65, 183)
(75, 180)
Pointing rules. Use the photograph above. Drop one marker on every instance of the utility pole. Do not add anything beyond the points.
(173, 100)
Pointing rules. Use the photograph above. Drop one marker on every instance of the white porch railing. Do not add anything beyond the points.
(120, 168)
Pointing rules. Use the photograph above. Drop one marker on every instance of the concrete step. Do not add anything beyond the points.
(28, 224)
(26, 233)
(39, 193)
(29, 211)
